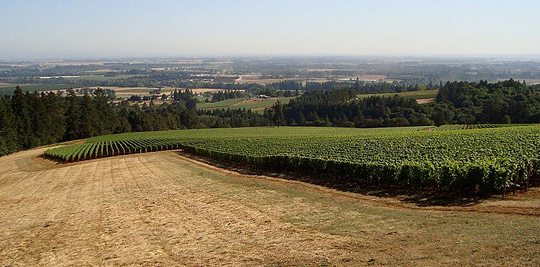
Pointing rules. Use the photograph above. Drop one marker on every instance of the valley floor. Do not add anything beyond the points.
(163, 209)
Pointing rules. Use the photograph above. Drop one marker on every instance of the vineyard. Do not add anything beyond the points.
(451, 127)
(140, 142)
(487, 160)
(93, 150)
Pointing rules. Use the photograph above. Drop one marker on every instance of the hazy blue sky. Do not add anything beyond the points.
(88, 29)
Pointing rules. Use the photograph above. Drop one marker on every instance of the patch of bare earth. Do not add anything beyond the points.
(164, 209)
(249, 101)
(424, 100)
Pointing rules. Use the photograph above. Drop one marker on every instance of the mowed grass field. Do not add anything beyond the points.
(261, 105)
(253, 104)
(220, 104)
(165, 209)
(426, 94)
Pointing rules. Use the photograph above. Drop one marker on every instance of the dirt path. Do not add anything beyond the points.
(162, 209)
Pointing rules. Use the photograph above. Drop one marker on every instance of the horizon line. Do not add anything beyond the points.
(280, 55)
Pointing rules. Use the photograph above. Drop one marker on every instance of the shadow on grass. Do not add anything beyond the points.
(419, 197)
(427, 199)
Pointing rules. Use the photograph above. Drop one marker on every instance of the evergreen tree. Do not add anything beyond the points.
(8, 131)
(73, 117)
(23, 123)
(279, 117)
(40, 119)
(123, 121)
(89, 117)
(56, 121)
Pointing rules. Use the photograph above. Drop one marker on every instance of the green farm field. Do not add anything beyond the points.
(244, 103)
(412, 94)
(9, 88)
(220, 104)
(261, 105)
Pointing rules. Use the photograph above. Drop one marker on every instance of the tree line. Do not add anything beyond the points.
(227, 94)
(33, 119)
(341, 108)
(456, 103)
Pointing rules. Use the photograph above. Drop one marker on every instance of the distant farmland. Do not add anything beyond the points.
(9, 88)
(253, 104)
(411, 94)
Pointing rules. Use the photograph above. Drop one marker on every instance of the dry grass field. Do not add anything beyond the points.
(163, 209)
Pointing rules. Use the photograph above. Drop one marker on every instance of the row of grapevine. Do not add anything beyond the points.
(93, 150)
(487, 160)
(481, 176)
(478, 177)
(451, 127)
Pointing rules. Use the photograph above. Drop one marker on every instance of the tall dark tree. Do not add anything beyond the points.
(279, 117)
(55, 108)
(8, 130)
(40, 119)
(123, 125)
(89, 117)
(189, 119)
(107, 117)
(73, 117)
(23, 123)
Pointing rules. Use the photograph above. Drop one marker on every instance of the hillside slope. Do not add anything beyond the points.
(164, 209)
